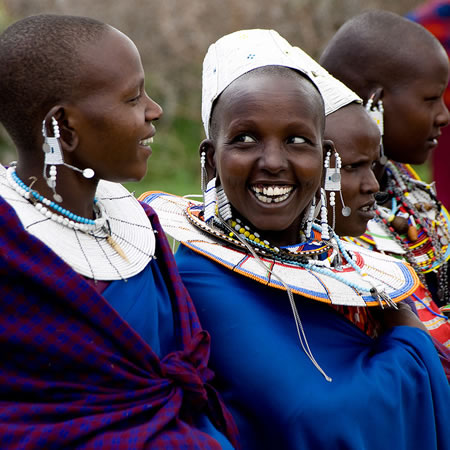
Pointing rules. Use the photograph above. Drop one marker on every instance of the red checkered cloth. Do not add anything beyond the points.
(74, 374)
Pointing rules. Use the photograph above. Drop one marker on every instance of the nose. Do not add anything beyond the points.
(369, 184)
(273, 158)
(152, 110)
(442, 117)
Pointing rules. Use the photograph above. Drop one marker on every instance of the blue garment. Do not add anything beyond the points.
(388, 393)
(143, 301)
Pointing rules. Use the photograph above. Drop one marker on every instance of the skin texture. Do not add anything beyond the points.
(269, 133)
(357, 140)
(101, 125)
(409, 77)
(415, 111)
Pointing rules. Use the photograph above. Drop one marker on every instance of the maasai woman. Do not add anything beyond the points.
(402, 86)
(100, 343)
(263, 280)
(357, 141)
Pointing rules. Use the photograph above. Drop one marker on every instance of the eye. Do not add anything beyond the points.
(296, 140)
(244, 138)
(136, 98)
(434, 98)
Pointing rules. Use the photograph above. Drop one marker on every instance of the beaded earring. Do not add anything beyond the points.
(310, 219)
(54, 157)
(333, 183)
(223, 204)
(210, 200)
(324, 216)
(376, 112)
(203, 173)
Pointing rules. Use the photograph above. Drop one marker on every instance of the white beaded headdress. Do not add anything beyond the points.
(238, 53)
(242, 51)
(335, 94)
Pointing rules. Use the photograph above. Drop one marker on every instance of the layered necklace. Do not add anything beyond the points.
(116, 244)
(418, 223)
(324, 257)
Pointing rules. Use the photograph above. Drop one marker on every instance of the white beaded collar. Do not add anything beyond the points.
(90, 254)
(397, 279)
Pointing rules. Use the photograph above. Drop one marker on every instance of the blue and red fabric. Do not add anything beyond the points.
(73, 373)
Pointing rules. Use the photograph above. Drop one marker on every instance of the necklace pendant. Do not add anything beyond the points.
(116, 247)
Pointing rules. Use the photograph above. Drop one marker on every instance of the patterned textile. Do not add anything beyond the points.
(74, 374)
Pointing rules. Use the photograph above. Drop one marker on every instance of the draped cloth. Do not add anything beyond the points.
(388, 392)
(74, 374)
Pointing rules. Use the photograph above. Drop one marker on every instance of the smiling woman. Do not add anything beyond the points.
(270, 283)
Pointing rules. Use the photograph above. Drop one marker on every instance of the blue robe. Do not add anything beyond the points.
(387, 393)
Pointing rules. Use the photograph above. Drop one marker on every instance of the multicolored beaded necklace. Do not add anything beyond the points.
(419, 224)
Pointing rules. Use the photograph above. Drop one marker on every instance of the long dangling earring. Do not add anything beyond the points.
(210, 200)
(376, 112)
(223, 204)
(310, 218)
(324, 216)
(54, 157)
(333, 183)
(203, 173)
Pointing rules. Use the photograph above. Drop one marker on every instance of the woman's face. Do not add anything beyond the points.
(111, 112)
(414, 112)
(267, 150)
(357, 140)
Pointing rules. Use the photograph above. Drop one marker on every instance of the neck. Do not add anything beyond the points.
(77, 192)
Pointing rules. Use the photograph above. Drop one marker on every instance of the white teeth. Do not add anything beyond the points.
(367, 208)
(434, 141)
(272, 194)
(271, 191)
(146, 141)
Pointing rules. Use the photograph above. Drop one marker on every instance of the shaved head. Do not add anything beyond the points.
(41, 62)
(377, 48)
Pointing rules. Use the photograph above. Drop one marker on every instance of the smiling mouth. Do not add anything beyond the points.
(146, 142)
(271, 194)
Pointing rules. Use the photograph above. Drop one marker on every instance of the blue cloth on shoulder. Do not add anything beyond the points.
(143, 301)
(390, 392)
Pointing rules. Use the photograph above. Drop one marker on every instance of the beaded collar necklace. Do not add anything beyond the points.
(321, 257)
(117, 244)
(62, 215)
(418, 223)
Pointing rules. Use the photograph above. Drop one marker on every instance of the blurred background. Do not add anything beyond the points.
(173, 36)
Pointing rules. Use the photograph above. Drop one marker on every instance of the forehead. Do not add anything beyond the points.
(353, 132)
(270, 92)
(427, 67)
(111, 62)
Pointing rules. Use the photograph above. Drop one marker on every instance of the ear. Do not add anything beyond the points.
(376, 93)
(207, 146)
(328, 145)
(68, 137)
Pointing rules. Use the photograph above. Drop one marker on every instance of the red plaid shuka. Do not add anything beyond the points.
(74, 374)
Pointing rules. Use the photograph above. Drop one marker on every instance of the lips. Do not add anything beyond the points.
(271, 193)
